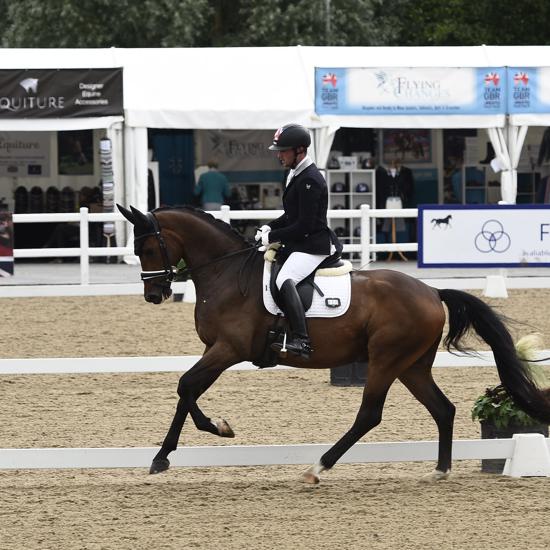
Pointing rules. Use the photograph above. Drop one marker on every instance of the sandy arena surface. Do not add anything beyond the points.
(379, 506)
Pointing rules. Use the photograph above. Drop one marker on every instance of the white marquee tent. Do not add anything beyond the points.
(260, 88)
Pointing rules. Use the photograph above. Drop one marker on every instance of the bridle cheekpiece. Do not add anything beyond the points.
(168, 272)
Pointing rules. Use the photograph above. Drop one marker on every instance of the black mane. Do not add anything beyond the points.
(220, 224)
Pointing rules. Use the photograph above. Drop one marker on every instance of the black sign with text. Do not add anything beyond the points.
(60, 93)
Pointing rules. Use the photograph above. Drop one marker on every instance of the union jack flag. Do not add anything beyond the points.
(493, 78)
(330, 78)
(521, 77)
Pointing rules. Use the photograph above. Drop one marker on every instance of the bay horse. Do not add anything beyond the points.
(395, 322)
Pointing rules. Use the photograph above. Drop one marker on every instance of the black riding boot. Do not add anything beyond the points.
(294, 310)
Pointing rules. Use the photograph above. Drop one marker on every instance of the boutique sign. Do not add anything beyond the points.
(24, 154)
(410, 91)
(60, 93)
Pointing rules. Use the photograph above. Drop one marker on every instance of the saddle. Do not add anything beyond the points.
(305, 287)
(329, 300)
(329, 294)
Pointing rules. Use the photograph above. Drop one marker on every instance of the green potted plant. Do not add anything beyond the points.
(499, 416)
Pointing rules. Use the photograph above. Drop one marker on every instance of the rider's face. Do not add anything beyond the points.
(286, 158)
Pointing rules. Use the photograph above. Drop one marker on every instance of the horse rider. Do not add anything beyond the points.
(302, 230)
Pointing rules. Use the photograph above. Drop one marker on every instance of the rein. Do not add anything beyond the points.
(171, 273)
(185, 270)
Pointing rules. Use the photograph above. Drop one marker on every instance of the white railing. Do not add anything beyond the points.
(182, 363)
(528, 454)
(85, 251)
(254, 455)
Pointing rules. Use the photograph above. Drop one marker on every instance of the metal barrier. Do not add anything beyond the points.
(366, 247)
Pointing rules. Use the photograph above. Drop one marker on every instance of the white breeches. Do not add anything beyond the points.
(298, 266)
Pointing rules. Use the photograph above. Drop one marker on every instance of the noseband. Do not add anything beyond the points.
(168, 273)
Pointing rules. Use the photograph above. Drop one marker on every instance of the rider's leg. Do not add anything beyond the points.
(298, 266)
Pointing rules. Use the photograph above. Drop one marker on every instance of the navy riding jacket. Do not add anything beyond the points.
(303, 226)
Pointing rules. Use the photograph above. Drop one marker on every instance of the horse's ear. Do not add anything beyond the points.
(126, 213)
(140, 219)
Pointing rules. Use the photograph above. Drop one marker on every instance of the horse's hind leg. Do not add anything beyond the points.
(390, 357)
(369, 416)
(418, 380)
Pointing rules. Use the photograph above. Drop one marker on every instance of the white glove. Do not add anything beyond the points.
(260, 232)
(265, 238)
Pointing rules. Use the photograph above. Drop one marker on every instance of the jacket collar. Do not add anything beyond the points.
(302, 165)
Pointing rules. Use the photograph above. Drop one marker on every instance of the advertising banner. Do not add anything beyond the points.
(528, 90)
(6, 244)
(483, 235)
(24, 154)
(237, 150)
(410, 91)
(60, 93)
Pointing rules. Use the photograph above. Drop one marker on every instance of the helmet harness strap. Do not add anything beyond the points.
(297, 151)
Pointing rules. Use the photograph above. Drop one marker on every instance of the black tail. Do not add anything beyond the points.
(467, 312)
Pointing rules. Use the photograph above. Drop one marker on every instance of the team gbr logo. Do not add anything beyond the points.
(30, 99)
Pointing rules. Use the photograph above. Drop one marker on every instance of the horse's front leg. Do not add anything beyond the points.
(160, 462)
(191, 386)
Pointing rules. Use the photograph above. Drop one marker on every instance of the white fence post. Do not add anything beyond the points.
(84, 247)
(365, 236)
(225, 213)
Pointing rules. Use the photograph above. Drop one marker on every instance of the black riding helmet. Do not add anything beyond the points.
(290, 136)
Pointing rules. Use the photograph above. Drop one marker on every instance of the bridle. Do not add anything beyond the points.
(169, 272)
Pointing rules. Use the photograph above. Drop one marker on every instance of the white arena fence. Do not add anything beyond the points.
(525, 454)
(85, 251)
(87, 365)
(268, 455)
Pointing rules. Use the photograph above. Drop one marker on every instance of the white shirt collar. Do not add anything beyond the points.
(300, 167)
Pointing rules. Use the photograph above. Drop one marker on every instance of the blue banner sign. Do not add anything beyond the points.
(528, 90)
(483, 235)
(410, 91)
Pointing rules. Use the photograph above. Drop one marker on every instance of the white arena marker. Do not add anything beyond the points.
(190, 295)
(531, 457)
(495, 287)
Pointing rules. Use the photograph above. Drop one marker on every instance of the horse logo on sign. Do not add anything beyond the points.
(29, 85)
(442, 222)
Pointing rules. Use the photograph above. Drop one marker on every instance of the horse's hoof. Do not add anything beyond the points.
(311, 475)
(224, 429)
(436, 475)
(312, 479)
(159, 465)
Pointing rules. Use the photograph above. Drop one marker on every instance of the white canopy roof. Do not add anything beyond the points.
(262, 88)
(237, 88)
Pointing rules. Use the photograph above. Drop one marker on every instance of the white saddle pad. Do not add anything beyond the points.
(335, 289)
